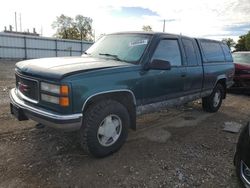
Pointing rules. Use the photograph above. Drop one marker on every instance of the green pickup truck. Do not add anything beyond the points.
(119, 77)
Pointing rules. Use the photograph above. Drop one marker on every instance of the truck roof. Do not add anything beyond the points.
(160, 33)
(149, 33)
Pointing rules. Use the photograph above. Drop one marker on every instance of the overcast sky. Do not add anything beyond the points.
(215, 19)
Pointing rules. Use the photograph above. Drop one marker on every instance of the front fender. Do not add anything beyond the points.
(108, 92)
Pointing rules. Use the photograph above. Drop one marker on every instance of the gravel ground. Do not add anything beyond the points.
(179, 147)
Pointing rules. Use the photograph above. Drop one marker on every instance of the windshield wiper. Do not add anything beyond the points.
(111, 55)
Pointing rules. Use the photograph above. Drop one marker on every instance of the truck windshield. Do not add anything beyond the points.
(121, 47)
(241, 57)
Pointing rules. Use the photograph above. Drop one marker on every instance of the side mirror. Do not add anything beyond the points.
(159, 64)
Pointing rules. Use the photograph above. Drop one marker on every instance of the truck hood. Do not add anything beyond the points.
(56, 68)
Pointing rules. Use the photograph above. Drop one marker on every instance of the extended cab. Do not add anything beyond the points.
(120, 76)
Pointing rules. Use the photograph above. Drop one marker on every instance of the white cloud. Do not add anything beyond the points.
(193, 18)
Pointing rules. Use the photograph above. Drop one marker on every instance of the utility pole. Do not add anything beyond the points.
(20, 20)
(41, 30)
(15, 22)
(164, 25)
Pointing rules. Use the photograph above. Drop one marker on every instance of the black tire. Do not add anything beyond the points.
(242, 151)
(237, 165)
(94, 118)
(238, 169)
(209, 104)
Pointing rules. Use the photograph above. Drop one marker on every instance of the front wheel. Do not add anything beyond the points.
(213, 102)
(105, 128)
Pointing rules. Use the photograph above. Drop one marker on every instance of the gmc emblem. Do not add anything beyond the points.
(23, 88)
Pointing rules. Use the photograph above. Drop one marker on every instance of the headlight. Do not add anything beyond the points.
(63, 101)
(52, 88)
(49, 98)
(59, 93)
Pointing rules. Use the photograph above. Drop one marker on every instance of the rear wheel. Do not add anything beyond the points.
(105, 128)
(213, 102)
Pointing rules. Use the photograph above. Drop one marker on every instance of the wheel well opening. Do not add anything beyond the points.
(223, 83)
(125, 98)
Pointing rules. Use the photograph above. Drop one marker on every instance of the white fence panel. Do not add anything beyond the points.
(7, 53)
(38, 43)
(13, 46)
(12, 41)
(31, 53)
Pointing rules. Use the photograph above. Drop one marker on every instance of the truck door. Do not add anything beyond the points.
(159, 85)
(192, 61)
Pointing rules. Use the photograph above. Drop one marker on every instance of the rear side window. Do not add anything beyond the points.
(212, 51)
(168, 50)
(227, 52)
(190, 52)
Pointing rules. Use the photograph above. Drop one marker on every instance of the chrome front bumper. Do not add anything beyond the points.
(46, 117)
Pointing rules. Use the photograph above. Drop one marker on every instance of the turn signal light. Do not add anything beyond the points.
(64, 90)
(64, 101)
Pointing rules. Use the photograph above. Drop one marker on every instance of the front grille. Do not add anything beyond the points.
(28, 87)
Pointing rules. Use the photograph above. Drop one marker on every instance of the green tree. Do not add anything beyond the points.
(230, 42)
(73, 32)
(79, 28)
(62, 25)
(147, 28)
(247, 41)
(84, 27)
(243, 43)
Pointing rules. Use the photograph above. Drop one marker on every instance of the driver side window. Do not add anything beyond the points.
(168, 50)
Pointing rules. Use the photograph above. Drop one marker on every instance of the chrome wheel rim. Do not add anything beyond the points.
(217, 98)
(109, 130)
(245, 174)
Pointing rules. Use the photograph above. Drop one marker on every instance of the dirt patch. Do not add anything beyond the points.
(182, 147)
